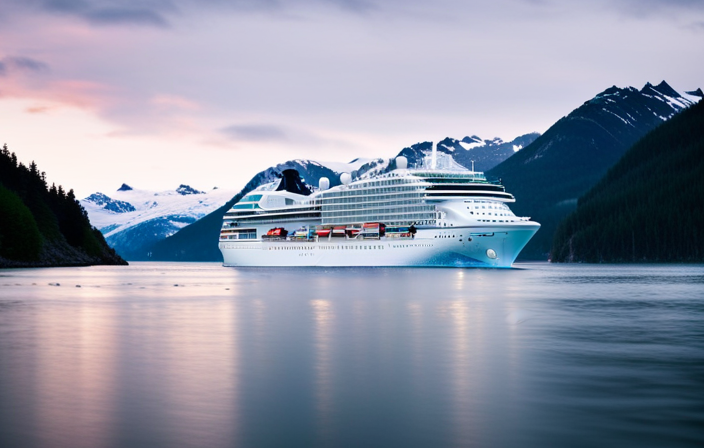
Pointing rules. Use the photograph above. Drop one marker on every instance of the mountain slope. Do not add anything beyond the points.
(648, 206)
(550, 174)
(42, 225)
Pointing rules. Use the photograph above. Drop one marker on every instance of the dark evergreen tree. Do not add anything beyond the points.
(19, 235)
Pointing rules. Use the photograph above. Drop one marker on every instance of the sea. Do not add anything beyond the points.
(200, 355)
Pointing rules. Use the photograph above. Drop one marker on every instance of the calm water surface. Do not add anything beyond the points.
(197, 355)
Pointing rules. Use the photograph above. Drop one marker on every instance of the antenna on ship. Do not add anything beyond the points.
(434, 156)
(472, 165)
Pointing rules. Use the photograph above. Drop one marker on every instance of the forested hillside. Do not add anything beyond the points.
(648, 207)
(42, 225)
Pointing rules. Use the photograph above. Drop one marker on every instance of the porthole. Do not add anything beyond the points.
(491, 253)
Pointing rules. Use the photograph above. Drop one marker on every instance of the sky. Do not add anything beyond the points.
(156, 93)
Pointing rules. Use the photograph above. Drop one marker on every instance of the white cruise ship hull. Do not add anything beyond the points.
(471, 246)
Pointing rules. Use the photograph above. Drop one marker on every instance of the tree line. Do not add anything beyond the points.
(43, 224)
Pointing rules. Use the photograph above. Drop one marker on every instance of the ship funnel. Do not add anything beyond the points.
(291, 181)
(401, 163)
(324, 183)
(345, 178)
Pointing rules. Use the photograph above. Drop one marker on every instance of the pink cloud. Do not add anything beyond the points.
(170, 102)
(159, 114)
(83, 94)
(38, 109)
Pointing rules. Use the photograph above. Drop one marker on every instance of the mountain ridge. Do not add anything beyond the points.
(550, 174)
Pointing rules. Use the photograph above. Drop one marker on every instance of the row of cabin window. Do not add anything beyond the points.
(368, 217)
(359, 191)
(365, 199)
(374, 207)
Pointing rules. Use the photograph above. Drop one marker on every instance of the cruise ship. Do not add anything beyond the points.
(437, 214)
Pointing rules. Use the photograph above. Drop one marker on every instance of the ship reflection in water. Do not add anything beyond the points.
(201, 355)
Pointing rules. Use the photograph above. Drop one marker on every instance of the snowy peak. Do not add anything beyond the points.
(603, 127)
(697, 93)
(630, 106)
(613, 90)
(124, 187)
(186, 190)
(375, 167)
(468, 143)
(107, 203)
(665, 89)
(665, 93)
(472, 139)
(495, 142)
(449, 144)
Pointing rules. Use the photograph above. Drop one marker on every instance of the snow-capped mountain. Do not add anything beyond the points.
(130, 218)
(468, 152)
(485, 154)
(109, 204)
(184, 190)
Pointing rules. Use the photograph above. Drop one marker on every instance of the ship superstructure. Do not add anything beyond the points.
(439, 214)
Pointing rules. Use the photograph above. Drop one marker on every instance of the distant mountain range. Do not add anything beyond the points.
(132, 219)
(549, 175)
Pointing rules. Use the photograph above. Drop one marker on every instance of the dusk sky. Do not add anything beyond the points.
(156, 93)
